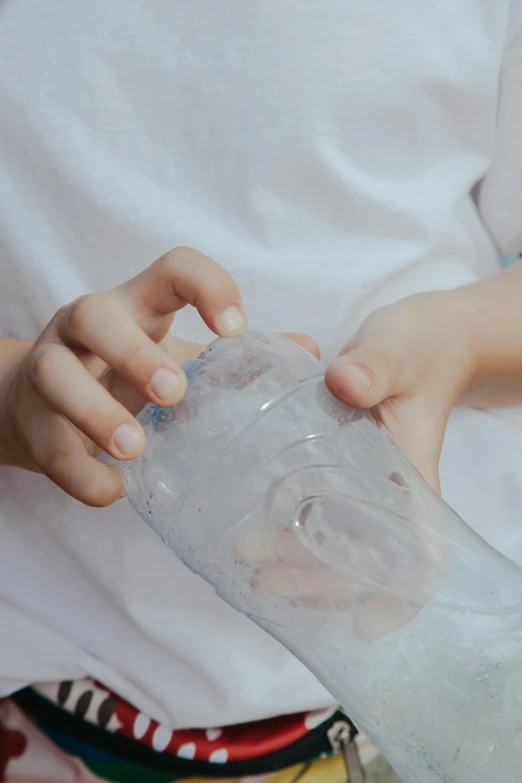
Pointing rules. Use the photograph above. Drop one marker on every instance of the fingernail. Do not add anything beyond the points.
(165, 384)
(127, 439)
(231, 320)
(358, 375)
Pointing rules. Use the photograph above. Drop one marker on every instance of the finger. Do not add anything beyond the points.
(377, 616)
(59, 453)
(181, 351)
(382, 360)
(417, 426)
(305, 341)
(98, 323)
(256, 548)
(84, 402)
(365, 376)
(317, 587)
(185, 276)
(374, 615)
(263, 547)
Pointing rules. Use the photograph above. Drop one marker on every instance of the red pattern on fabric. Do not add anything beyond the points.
(220, 745)
(12, 746)
(236, 743)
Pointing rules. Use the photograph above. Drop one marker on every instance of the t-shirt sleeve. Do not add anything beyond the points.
(500, 193)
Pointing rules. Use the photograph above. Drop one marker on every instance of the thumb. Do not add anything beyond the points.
(305, 341)
(366, 375)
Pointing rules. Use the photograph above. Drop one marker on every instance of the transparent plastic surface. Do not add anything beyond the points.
(304, 515)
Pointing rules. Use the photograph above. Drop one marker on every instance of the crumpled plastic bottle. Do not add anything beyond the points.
(304, 515)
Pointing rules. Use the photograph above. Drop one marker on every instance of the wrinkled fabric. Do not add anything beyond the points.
(335, 156)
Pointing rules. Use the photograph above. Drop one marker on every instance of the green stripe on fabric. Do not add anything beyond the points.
(129, 773)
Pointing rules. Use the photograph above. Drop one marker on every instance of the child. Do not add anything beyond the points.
(336, 157)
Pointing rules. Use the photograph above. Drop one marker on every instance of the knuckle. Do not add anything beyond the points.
(378, 360)
(43, 366)
(196, 278)
(77, 314)
(130, 357)
(382, 366)
(221, 286)
(102, 491)
(61, 314)
(174, 259)
(99, 498)
(216, 291)
(376, 364)
(100, 422)
(57, 463)
(94, 490)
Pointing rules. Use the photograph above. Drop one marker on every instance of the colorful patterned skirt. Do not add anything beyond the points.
(74, 732)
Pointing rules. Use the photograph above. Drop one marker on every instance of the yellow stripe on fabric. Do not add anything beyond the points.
(331, 770)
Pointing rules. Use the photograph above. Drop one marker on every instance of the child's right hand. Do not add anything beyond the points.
(75, 391)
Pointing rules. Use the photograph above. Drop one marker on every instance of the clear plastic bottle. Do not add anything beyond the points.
(304, 515)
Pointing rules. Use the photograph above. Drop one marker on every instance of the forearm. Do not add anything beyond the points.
(491, 313)
(12, 351)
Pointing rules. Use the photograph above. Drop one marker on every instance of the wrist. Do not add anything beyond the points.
(460, 309)
(445, 330)
(490, 315)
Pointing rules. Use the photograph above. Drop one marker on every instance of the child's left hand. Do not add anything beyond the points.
(409, 362)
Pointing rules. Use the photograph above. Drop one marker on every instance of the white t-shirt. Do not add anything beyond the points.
(324, 152)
